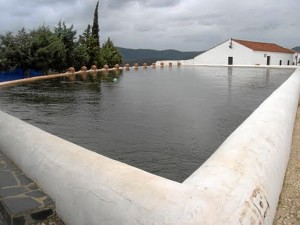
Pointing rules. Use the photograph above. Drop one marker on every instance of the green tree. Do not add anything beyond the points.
(57, 54)
(23, 57)
(43, 49)
(67, 36)
(87, 39)
(8, 49)
(15, 50)
(38, 49)
(110, 55)
(84, 38)
(81, 56)
(47, 50)
(95, 27)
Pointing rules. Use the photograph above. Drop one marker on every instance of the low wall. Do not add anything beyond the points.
(52, 76)
(247, 66)
(168, 63)
(190, 62)
(239, 184)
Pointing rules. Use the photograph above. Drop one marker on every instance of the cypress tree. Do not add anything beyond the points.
(95, 27)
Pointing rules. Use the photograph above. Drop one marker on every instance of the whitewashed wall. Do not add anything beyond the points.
(297, 58)
(260, 58)
(241, 56)
(239, 184)
(219, 55)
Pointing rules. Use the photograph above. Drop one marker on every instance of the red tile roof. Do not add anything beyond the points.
(265, 47)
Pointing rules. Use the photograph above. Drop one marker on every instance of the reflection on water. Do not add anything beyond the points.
(165, 121)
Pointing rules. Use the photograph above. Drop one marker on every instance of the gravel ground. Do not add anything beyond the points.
(288, 209)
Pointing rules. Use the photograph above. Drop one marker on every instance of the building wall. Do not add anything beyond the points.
(260, 58)
(297, 58)
(241, 56)
(219, 54)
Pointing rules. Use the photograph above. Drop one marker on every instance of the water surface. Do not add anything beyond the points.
(165, 121)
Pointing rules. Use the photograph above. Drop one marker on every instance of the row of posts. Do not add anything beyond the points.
(126, 67)
(162, 64)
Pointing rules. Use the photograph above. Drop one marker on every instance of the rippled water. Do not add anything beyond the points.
(165, 121)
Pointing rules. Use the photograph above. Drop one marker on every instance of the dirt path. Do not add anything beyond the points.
(288, 209)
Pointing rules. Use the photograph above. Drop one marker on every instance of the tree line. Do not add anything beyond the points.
(56, 49)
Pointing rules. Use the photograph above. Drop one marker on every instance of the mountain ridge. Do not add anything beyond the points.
(149, 56)
(297, 48)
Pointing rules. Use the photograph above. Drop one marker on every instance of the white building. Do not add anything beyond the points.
(241, 52)
(297, 57)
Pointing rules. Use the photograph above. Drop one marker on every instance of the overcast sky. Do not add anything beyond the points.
(189, 25)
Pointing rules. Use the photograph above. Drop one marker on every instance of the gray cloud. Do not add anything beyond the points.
(177, 24)
(145, 3)
(159, 3)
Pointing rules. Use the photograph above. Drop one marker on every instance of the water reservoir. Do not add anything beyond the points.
(165, 121)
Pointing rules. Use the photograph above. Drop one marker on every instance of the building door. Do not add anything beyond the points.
(288, 62)
(230, 60)
(268, 60)
(280, 62)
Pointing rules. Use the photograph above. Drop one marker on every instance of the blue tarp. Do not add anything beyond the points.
(18, 74)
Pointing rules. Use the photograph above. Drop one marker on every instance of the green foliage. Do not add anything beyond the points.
(23, 49)
(95, 28)
(67, 36)
(81, 55)
(94, 41)
(44, 49)
(110, 55)
(93, 50)
(39, 49)
(47, 50)
(8, 51)
(15, 50)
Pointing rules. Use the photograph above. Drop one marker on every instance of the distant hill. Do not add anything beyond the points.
(296, 48)
(149, 56)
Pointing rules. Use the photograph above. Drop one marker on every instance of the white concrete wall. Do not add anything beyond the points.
(254, 157)
(260, 58)
(219, 55)
(241, 56)
(296, 58)
(239, 184)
